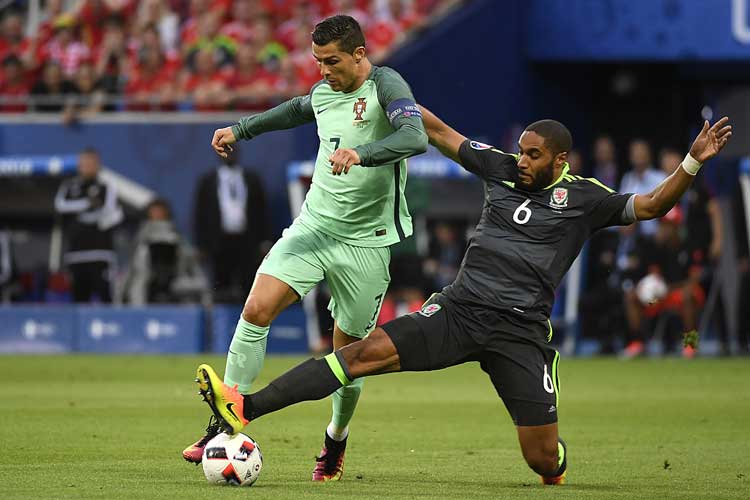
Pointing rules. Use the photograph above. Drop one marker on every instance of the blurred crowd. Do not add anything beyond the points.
(85, 56)
(653, 281)
(644, 284)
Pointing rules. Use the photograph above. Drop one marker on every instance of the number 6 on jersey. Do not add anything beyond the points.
(522, 213)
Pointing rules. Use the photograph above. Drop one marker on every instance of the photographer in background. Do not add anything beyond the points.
(91, 211)
(164, 267)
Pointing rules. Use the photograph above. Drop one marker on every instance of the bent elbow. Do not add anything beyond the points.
(420, 143)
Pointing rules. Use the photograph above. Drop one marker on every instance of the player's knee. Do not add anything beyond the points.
(257, 312)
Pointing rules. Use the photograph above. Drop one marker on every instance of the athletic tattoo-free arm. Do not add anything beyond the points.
(441, 135)
(709, 142)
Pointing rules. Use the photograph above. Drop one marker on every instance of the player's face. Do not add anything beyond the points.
(536, 164)
(337, 67)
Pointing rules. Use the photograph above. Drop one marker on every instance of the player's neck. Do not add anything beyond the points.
(363, 72)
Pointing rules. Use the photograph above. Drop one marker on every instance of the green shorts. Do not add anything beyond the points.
(358, 277)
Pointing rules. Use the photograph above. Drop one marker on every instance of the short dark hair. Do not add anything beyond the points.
(342, 29)
(556, 135)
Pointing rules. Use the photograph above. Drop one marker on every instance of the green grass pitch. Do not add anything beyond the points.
(113, 427)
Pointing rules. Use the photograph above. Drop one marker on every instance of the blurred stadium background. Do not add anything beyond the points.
(145, 82)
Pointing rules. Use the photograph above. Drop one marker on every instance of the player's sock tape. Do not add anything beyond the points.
(338, 366)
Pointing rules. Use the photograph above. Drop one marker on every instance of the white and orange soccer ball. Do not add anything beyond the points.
(235, 460)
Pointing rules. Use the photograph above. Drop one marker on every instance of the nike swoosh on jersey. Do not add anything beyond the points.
(321, 110)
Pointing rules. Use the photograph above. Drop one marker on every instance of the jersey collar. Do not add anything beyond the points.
(564, 172)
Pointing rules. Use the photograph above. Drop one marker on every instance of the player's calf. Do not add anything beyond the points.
(558, 477)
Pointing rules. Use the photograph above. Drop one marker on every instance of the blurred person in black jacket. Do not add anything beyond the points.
(164, 267)
(91, 210)
(231, 227)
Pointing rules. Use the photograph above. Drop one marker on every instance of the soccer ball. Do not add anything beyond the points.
(234, 460)
(651, 289)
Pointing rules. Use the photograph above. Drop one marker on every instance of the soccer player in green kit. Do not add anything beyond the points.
(367, 117)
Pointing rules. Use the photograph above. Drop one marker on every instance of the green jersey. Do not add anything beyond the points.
(381, 121)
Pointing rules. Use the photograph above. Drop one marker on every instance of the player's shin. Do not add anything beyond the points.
(314, 379)
(344, 403)
(246, 354)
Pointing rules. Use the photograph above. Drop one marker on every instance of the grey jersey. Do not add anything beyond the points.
(525, 241)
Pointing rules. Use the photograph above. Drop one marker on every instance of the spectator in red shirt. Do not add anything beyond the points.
(150, 39)
(44, 31)
(12, 40)
(89, 96)
(241, 28)
(91, 15)
(14, 86)
(206, 87)
(64, 48)
(393, 20)
(159, 14)
(189, 31)
(288, 84)
(269, 50)
(209, 37)
(112, 58)
(251, 84)
(52, 92)
(304, 64)
(305, 15)
(152, 83)
(351, 8)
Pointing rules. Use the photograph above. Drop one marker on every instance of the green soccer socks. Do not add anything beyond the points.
(246, 354)
(344, 402)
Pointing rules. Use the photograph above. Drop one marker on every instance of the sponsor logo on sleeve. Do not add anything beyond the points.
(479, 146)
(430, 309)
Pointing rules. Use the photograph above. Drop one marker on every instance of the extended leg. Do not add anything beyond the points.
(268, 297)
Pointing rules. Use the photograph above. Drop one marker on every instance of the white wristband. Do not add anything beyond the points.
(691, 165)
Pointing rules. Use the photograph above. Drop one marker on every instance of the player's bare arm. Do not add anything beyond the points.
(441, 135)
(709, 142)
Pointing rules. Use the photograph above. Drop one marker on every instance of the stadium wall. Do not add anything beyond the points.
(167, 154)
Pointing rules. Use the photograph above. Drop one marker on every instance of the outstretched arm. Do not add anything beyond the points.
(709, 142)
(441, 135)
(292, 113)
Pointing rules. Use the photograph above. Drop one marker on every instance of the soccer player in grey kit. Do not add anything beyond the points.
(535, 220)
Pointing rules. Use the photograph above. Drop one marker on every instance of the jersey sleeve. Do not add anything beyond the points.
(609, 208)
(485, 161)
(289, 114)
(409, 137)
